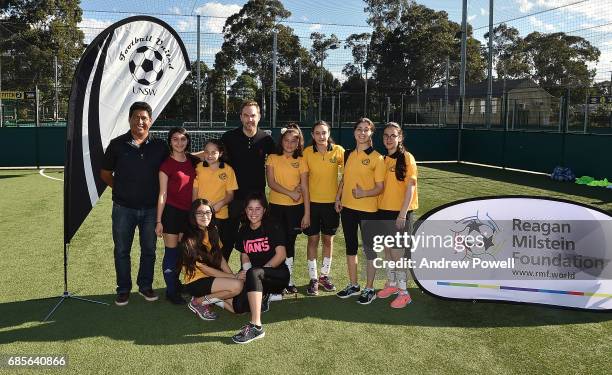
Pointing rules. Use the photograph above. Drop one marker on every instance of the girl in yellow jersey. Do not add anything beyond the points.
(397, 203)
(207, 277)
(362, 182)
(216, 181)
(287, 175)
(323, 158)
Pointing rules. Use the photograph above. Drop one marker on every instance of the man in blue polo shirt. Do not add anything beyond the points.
(130, 167)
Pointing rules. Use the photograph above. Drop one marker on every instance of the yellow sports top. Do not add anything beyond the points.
(392, 197)
(323, 172)
(212, 185)
(363, 168)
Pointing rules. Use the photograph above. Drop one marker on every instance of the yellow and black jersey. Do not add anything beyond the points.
(287, 172)
(392, 197)
(212, 185)
(363, 168)
(323, 172)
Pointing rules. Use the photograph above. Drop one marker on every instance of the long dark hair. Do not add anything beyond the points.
(192, 248)
(221, 148)
(400, 164)
(292, 128)
(180, 130)
(330, 140)
(259, 197)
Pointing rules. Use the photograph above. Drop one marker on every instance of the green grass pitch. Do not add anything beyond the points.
(320, 335)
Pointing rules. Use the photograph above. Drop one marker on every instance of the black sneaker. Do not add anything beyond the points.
(350, 290)
(367, 296)
(265, 303)
(291, 289)
(313, 288)
(176, 299)
(148, 295)
(122, 299)
(248, 333)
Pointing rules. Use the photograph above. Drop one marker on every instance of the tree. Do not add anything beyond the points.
(407, 57)
(386, 14)
(558, 59)
(248, 37)
(509, 52)
(245, 87)
(31, 34)
(184, 102)
(359, 45)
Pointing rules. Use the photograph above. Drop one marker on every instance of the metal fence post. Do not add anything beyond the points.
(199, 81)
(402, 111)
(274, 58)
(586, 111)
(333, 114)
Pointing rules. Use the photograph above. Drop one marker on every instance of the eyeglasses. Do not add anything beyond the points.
(202, 214)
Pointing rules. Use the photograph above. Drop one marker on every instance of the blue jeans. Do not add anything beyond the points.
(125, 221)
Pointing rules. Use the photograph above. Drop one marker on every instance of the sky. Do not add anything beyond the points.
(591, 19)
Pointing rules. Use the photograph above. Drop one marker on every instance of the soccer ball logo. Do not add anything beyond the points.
(474, 226)
(146, 65)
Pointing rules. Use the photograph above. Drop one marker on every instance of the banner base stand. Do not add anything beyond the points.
(67, 295)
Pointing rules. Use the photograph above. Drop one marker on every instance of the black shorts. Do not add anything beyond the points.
(200, 287)
(174, 220)
(323, 219)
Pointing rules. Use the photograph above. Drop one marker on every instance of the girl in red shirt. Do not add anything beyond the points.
(176, 175)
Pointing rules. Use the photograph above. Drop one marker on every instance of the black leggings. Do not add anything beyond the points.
(227, 235)
(267, 279)
(290, 219)
(351, 223)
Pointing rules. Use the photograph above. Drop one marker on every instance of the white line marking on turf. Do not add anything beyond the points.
(42, 173)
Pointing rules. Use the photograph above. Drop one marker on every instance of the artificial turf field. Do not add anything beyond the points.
(320, 335)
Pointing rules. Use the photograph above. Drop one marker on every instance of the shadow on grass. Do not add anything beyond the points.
(161, 323)
(5, 176)
(599, 196)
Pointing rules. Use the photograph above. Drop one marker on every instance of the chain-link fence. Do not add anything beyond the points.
(337, 73)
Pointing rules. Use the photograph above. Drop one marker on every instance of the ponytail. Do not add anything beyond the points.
(400, 163)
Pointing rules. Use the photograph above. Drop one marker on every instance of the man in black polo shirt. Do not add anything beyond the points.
(131, 169)
(246, 148)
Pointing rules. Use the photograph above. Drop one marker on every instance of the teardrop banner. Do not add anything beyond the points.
(139, 58)
(518, 249)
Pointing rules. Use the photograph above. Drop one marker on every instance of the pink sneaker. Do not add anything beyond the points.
(402, 299)
(387, 291)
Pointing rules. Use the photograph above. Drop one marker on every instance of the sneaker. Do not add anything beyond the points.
(291, 289)
(204, 312)
(387, 291)
(265, 303)
(350, 290)
(148, 295)
(313, 288)
(122, 299)
(248, 333)
(403, 298)
(367, 296)
(176, 299)
(326, 284)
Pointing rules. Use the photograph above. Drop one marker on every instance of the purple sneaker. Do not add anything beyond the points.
(313, 288)
(204, 312)
(326, 284)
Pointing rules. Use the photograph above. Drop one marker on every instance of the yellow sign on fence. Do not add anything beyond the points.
(18, 95)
